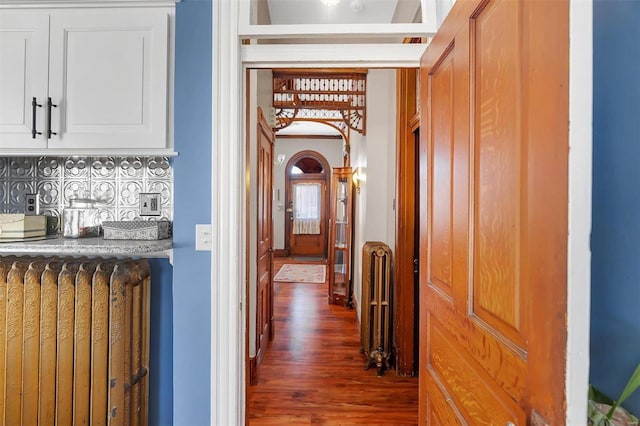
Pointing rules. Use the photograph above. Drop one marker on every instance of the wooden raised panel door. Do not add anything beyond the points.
(308, 244)
(109, 79)
(24, 52)
(493, 237)
(264, 302)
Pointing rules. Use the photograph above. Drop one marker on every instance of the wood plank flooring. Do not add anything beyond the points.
(313, 374)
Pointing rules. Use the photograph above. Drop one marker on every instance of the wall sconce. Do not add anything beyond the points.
(357, 178)
(279, 161)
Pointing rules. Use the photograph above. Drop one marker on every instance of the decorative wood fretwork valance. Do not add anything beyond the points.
(334, 97)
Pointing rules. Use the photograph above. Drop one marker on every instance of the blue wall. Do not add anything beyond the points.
(161, 344)
(615, 244)
(192, 201)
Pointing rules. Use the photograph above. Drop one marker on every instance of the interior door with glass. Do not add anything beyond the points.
(307, 216)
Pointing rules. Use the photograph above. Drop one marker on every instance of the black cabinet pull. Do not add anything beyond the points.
(34, 105)
(49, 105)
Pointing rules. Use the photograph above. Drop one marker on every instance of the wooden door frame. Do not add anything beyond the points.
(315, 176)
(405, 300)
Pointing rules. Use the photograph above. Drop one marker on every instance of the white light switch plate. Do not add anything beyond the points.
(204, 237)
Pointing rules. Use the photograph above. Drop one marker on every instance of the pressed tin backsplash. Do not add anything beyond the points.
(114, 182)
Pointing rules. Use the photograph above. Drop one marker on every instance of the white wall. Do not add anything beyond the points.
(331, 149)
(359, 159)
(375, 155)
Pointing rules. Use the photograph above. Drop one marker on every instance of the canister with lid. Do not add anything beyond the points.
(80, 218)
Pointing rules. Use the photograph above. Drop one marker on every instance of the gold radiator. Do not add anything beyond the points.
(74, 341)
(375, 329)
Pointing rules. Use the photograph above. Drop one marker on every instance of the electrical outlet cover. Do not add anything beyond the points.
(31, 204)
(150, 204)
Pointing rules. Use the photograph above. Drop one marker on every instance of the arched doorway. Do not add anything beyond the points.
(307, 182)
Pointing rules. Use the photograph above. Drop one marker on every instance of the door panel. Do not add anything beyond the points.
(507, 368)
(434, 417)
(442, 131)
(108, 75)
(308, 244)
(264, 302)
(494, 227)
(459, 378)
(497, 284)
(24, 51)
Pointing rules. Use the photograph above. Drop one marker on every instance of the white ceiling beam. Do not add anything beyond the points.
(371, 31)
(247, 28)
(332, 55)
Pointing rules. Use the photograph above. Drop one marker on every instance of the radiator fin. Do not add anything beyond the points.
(74, 341)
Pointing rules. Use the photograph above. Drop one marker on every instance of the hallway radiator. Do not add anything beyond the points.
(375, 331)
(74, 341)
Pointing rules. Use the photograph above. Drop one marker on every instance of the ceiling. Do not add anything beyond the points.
(288, 12)
(309, 128)
(305, 12)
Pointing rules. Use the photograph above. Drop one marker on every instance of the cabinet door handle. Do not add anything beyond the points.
(34, 105)
(49, 105)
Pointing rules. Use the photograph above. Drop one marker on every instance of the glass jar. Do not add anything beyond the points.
(79, 219)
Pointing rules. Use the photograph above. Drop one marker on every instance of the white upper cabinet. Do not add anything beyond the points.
(108, 76)
(24, 52)
(102, 75)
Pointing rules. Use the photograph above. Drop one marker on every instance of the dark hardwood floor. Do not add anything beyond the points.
(313, 374)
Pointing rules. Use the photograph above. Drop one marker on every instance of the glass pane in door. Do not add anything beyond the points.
(340, 273)
(342, 195)
(307, 205)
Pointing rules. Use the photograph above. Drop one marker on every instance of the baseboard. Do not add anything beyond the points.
(356, 307)
(280, 253)
(354, 302)
(253, 370)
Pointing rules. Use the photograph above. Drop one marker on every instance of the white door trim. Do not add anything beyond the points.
(579, 251)
(227, 217)
(332, 55)
(228, 259)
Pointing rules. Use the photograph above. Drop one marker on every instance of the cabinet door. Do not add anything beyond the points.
(24, 40)
(340, 245)
(109, 79)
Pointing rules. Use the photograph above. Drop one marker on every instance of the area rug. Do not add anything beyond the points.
(301, 273)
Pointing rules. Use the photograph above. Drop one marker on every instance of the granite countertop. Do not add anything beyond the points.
(90, 246)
